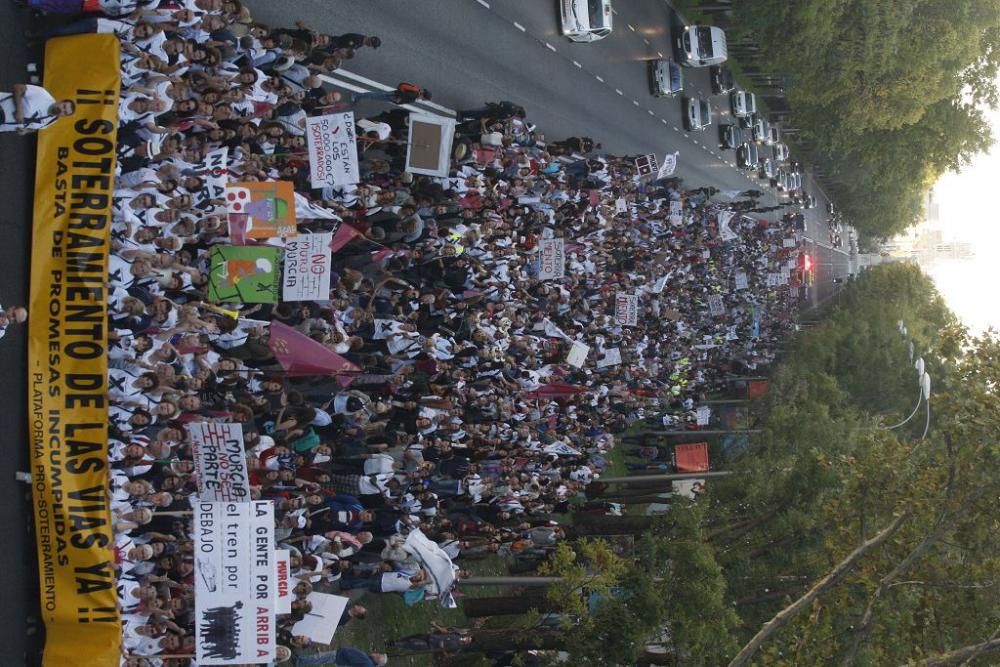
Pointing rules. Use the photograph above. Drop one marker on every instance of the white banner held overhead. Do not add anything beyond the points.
(627, 309)
(577, 355)
(333, 149)
(306, 274)
(234, 582)
(428, 149)
(668, 167)
(214, 173)
(725, 231)
(612, 356)
(220, 463)
(551, 259)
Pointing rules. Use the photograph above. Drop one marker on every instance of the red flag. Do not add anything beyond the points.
(299, 354)
(343, 236)
(555, 390)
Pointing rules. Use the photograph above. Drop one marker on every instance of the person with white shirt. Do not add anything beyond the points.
(30, 108)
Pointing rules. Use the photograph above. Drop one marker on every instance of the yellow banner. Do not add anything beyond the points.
(67, 355)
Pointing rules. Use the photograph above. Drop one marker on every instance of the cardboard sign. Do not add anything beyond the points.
(646, 165)
(577, 355)
(715, 305)
(627, 309)
(333, 150)
(307, 269)
(220, 462)
(283, 584)
(428, 148)
(243, 274)
(551, 259)
(234, 582)
(262, 210)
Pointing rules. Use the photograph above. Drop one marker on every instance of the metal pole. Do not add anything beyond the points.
(701, 433)
(509, 581)
(657, 478)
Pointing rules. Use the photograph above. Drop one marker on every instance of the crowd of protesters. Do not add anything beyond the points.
(465, 419)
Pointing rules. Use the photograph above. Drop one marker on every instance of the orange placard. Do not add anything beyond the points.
(691, 457)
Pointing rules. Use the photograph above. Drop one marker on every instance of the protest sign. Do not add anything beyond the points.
(715, 305)
(428, 149)
(243, 274)
(333, 149)
(234, 582)
(321, 622)
(789, 243)
(214, 173)
(660, 283)
(646, 164)
(261, 210)
(703, 415)
(283, 584)
(551, 259)
(68, 359)
(668, 167)
(577, 355)
(688, 488)
(627, 309)
(621, 206)
(725, 231)
(612, 356)
(307, 268)
(671, 314)
(220, 463)
(691, 457)
(560, 449)
(741, 280)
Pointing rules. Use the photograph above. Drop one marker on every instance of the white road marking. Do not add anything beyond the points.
(675, 129)
(619, 92)
(631, 28)
(635, 102)
(599, 78)
(663, 120)
(550, 47)
(650, 112)
(374, 84)
(484, 3)
(577, 63)
(519, 26)
(645, 41)
(659, 53)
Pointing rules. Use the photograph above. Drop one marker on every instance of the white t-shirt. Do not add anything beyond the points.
(36, 104)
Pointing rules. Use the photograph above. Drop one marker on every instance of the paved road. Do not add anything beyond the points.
(470, 51)
(17, 557)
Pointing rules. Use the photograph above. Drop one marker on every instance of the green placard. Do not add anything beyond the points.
(244, 274)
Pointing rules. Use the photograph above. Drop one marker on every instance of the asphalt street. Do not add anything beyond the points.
(17, 558)
(470, 51)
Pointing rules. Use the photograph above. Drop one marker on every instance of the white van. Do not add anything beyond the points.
(743, 103)
(701, 46)
(585, 20)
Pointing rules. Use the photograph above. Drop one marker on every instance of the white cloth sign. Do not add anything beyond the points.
(551, 259)
(428, 148)
(308, 210)
(220, 463)
(560, 449)
(307, 268)
(669, 165)
(703, 415)
(621, 206)
(627, 309)
(715, 305)
(660, 283)
(741, 280)
(577, 355)
(436, 563)
(234, 582)
(725, 231)
(320, 623)
(333, 150)
(282, 582)
(611, 357)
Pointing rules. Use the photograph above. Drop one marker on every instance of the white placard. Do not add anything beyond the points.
(621, 206)
(741, 280)
(676, 208)
(428, 146)
(612, 356)
(725, 231)
(703, 415)
(660, 283)
(646, 165)
(234, 582)
(715, 305)
(283, 584)
(789, 243)
(551, 259)
(214, 173)
(627, 309)
(320, 623)
(306, 274)
(333, 149)
(577, 355)
(220, 462)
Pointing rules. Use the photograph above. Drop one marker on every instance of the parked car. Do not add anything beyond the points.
(775, 136)
(665, 78)
(779, 152)
(586, 20)
(747, 156)
(743, 103)
(722, 79)
(761, 130)
(781, 180)
(794, 183)
(808, 202)
(697, 115)
(731, 136)
(768, 169)
(701, 46)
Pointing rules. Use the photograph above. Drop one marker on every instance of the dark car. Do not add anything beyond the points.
(722, 79)
(731, 136)
(747, 156)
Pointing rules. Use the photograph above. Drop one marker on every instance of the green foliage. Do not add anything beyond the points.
(889, 92)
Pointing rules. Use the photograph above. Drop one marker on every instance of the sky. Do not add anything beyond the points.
(968, 202)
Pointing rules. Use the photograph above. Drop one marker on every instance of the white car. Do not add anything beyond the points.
(747, 156)
(701, 46)
(586, 20)
(761, 131)
(697, 114)
(779, 152)
(743, 103)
